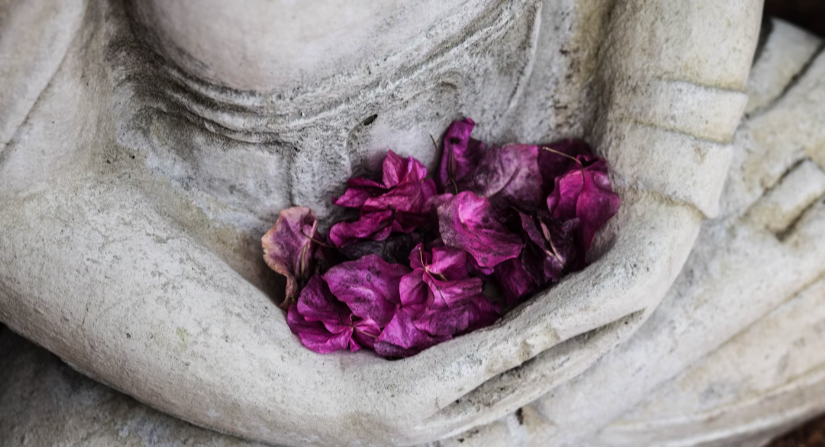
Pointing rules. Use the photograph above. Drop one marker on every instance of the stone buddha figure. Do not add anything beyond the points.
(145, 147)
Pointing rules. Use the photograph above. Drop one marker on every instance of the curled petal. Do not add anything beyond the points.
(559, 158)
(369, 286)
(398, 170)
(510, 175)
(376, 226)
(401, 338)
(585, 193)
(289, 248)
(317, 303)
(514, 280)
(366, 333)
(460, 157)
(449, 262)
(315, 336)
(469, 223)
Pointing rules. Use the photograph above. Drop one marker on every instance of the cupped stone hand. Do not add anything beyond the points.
(733, 355)
(137, 180)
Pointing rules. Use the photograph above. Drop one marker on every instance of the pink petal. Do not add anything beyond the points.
(585, 193)
(455, 306)
(510, 175)
(596, 205)
(360, 189)
(288, 248)
(413, 290)
(469, 223)
(449, 262)
(514, 280)
(317, 303)
(460, 157)
(315, 336)
(552, 164)
(408, 197)
(552, 247)
(377, 226)
(369, 286)
(366, 333)
(402, 333)
(399, 170)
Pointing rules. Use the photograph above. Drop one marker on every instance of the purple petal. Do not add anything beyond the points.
(460, 157)
(510, 175)
(369, 286)
(399, 170)
(597, 204)
(413, 290)
(553, 162)
(288, 248)
(366, 333)
(585, 193)
(419, 257)
(360, 189)
(315, 336)
(317, 303)
(514, 280)
(449, 262)
(454, 306)
(482, 313)
(468, 222)
(402, 333)
(408, 197)
(552, 247)
(377, 226)
(448, 294)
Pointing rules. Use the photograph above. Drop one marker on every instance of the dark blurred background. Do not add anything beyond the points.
(808, 14)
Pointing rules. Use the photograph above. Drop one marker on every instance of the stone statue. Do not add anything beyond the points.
(146, 146)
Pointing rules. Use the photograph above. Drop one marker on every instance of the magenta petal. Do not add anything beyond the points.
(452, 293)
(450, 262)
(514, 280)
(317, 303)
(366, 333)
(510, 175)
(469, 223)
(482, 313)
(376, 226)
(585, 193)
(369, 286)
(552, 247)
(315, 336)
(413, 290)
(359, 190)
(408, 197)
(288, 248)
(460, 157)
(399, 170)
(444, 322)
(454, 307)
(596, 205)
(402, 333)
(553, 162)
(420, 257)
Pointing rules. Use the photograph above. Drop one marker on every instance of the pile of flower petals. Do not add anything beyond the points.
(412, 269)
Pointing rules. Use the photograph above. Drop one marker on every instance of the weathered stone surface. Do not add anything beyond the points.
(141, 184)
(733, 355)
(43, 402)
